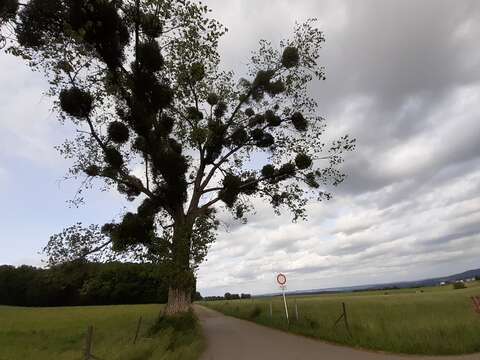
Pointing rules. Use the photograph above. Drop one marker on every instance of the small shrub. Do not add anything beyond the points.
(458, 286)
(312, 323)
(181, 322)
(255, 312)
(183, 329)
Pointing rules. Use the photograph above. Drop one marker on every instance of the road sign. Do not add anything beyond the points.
(281, 279)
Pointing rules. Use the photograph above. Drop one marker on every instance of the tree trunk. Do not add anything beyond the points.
(181, 277)
(179, 300)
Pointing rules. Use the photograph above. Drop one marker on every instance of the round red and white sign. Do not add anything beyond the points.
(281, 279)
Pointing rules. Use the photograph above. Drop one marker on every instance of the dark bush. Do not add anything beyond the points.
(312, 323)
(255, 312)
(180, 322)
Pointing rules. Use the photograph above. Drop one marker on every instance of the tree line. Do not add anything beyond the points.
(83, 283)
(227, 296)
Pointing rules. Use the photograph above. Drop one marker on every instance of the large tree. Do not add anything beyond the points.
(157, 117)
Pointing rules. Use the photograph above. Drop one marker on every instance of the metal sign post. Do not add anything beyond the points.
(282, 281)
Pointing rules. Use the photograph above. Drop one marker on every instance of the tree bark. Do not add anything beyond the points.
(181, 277)
(179, 301)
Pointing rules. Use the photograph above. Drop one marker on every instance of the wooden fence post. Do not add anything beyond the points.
(138, 330)
(296, 309)
(271, 310)
(476, 303)
(345, 319)
(88, 343)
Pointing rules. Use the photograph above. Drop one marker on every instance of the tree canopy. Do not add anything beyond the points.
(157, 118)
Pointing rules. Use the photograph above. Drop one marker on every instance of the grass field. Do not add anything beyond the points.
(437, 320)
(59, 333)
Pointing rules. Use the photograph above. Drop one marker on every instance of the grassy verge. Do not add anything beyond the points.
(59, 333)
(434, 321)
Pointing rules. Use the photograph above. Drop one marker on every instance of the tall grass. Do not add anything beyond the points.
(59, 333)
(431, 321)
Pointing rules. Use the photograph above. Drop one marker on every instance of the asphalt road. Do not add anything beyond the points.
(234, 339)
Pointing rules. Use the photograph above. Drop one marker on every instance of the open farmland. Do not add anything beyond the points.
(436, 321)
(59, 333)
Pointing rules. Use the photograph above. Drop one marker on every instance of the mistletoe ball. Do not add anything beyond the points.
(76, 102)
(290, 57)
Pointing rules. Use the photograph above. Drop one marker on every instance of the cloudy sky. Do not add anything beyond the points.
(403, 77)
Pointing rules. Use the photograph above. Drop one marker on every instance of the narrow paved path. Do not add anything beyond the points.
(234, 339)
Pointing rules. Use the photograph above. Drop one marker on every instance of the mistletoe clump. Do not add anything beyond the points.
(133, 229)
(249, 112)
(231, 188)
(212, 99)
(239, 136)
(39, 22)
(272, 119)
(100, 25)
(92, 170)
(215, 141)
(268, 171)
(197, 72)
(151, 26)
(149, 56)
(263, 84)
(299, 122)
(262, 138)
(220, 109)
(303, 161)
(76, 102)
(256, 120)
(286, 170)
(311, 180)
(290, 57)
(132, 187)
(113, 157)
(118, 132)
(8, 10)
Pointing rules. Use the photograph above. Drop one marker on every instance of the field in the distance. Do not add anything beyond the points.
(436, 320)
(59, 333)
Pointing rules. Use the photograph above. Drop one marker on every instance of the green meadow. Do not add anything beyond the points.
(59, 333)
(436, 320)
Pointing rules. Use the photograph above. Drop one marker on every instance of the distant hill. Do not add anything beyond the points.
(393, 285)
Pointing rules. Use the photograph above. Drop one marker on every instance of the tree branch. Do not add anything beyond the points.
(217, 165)
(98, 248)
(146, 170)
